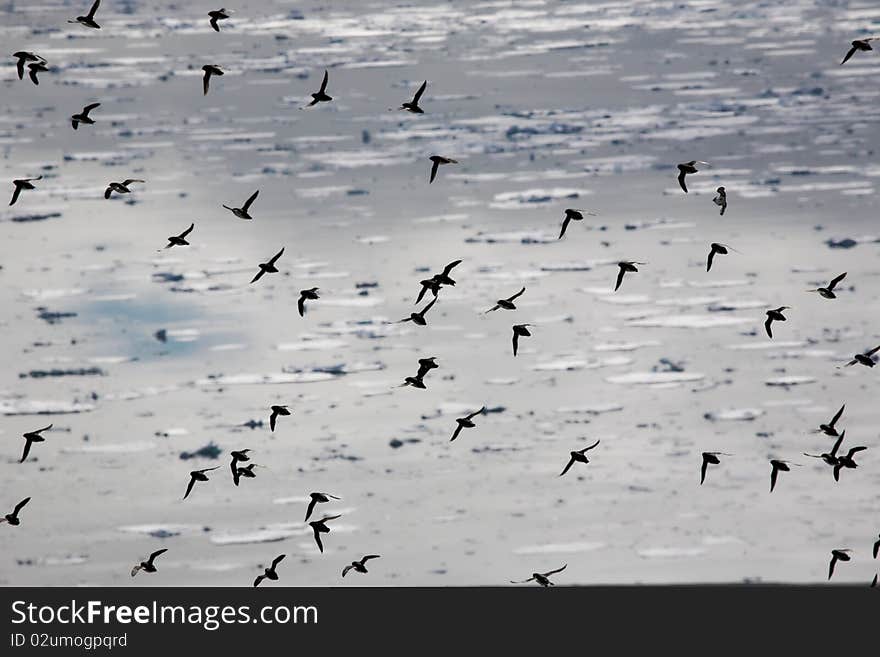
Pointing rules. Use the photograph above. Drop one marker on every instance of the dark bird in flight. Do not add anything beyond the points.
(828, 429)
(863, 45)
(269, 573)
(572, 215)
(197, 475)
(247, 472)
(276, 411)
(22, 184)
(242, 212)
(443, 277)
(320, 527)
(317, 498)
(520, 330)
(774, 316)
(311, 294)
(685, 168)
(837, 555)
(148, 566)
(321, 96)
(437, 161)
(426, 365)
(12, 518)
(777, 467)
(847, 461)
(237, 457)
(507, 303)
(419, 317)
(541, 578)
(216, 16)
(416, 381)
(828, 292)
(209, 69)
(578, 456)
(180, 240)
(83, 117)
(466, 422)
(720, 200)
(359, 566)
(716, 249)
(710, 458)
(23, 57)
(120, 187)
(413, 105)
(867, 359)
(36, 68)
(830, 457)
(626, 266)
(89, 19)
(268, 267)
(32, 437)
(432, 284)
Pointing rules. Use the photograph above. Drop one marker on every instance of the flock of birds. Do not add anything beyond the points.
(838, 462)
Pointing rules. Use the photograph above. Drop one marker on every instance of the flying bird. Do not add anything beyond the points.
(120, 187)
(269, 573)
(320, 527)
(12, 518)
(774, 315)
(716, 249)
(830, 457)
(847, 461)
(624, 267)
(419, 317)
(777, 467)
(83, 117)
(268, 267)
(710, 458)
(685, 168)
(246, 472)
(867, 359)
(520, 330)
(863, 45)
(180, 240)
(828, 292)
(359, 566)
(465, 422)
(242, 212)
(720, 200)
(578, 456)
(317, 498)
(416, 381)
(89, 19)
(443, 277)
(148, 566)
(197, 475)
(541, 578)
(216, 16)
(32, 437)
(507, 303)
(209, 69)
(35, 68)
(321, 96)
(828, 429)
(413, 105)
(437, 161)
(426, 365)
(23, 57)
(311, 294)
(276, 411)
(572, 215)
(432, 284)
(837, 555)
(238, 456)
(22, 184)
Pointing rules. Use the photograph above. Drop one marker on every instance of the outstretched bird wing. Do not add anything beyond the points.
(434, 167)
(522, 581)
(518, 294)
(20, 66)
(301, 304)
(94, 9)
(837, 444)
(835, 281)
(27, 450)
(703, 471)
(108, 192)
(346, 569)
(837, 416)
(32, 74)
(476, 413)
(318, 540)
(89, 108)
(370, 556)
(128, 181)
(277, 560)
(259, 579)
(586, 449)
(681, 175)
(276, 256)
(619, 278)
(567, 466)
(156, 554)
(20, 506)
(134, 571)
(873, 351)
(428, 307)
(415, 100)
(773, 476)
(452, 265)
(855, 450)
(852, 51)
(272, 419)
(553, 572)
(457, 431)
(187, 231)
(767, 326)
(711, 258)
(831, 566)
(324, 82)
(564, 226)
(206, 81)
(189, 486)
(247, 203)
(310, 508)
(15, 194)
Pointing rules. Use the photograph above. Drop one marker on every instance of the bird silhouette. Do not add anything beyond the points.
(774, 315)
(276, 411)
(777, 467)
(320, 527)
(247, 472)
(83, 117)
(716, 249)
(433, 284)
(829, 429)
(828, 292)
(13, 520)
(317, 498)
(863, 45)
(867, 359)
(465, 422)
(359, 566)
(217, 15)
(416, 381)
(89, 19)
(32, 437)
(578, 456)
(413, 105)
(197, 475)
(268, 267)
(238, 457)
(242, 212)
(687, 168)
(120, 187)
(541, 578)
(437, 160)
(624, 267)
(838, 555)
(876, 545)
(847, 461)
(720, 200)
(426, 365)
(443, 277)
(210, 70)
(311, 295)
(321, 96)
(180, 240)
(572, 215)
(24, 57)
(34, 69)
(507, 303)
(20, 185)
(148, 566)
(269, 573)
(520, 331)
(830, 457)
(710, 458)
(419, 317)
